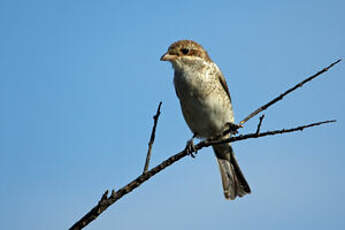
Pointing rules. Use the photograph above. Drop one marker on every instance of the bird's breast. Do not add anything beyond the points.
(191, 83)
(205, 105)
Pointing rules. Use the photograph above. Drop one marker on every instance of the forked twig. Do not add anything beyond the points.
(267, 133)
(104, 203)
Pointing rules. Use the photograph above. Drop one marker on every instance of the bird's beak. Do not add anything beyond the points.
(168, 57)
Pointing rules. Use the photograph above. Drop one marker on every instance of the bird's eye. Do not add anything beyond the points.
(184, 51)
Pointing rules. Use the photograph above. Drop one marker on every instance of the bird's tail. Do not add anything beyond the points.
(234, 183)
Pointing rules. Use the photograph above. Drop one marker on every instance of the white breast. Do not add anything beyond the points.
(205, 104)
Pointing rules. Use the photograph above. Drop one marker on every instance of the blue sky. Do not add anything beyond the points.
(80, 81)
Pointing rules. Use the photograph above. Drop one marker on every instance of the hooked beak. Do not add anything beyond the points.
(168, 57)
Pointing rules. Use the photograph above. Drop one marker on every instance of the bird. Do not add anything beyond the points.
(206, 107)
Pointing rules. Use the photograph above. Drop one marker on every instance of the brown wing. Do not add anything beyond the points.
(175, 86)
(223, 82)
(176, 92)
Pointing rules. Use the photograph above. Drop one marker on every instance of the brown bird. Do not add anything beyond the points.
(206, 106)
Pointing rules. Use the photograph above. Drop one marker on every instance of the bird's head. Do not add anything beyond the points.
(185, 53)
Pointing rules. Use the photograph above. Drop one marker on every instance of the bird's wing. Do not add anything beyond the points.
(223, 83)
(176, 89)
(177, 93)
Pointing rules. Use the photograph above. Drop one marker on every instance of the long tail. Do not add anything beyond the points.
(234, 183)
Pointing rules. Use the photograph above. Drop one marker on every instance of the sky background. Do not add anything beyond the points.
(80, 81)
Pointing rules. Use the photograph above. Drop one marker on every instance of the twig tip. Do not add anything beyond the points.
(113, 193)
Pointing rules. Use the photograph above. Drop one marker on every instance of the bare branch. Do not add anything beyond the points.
(152, 139)
(104, 203)
(280, 97)
(267, 133)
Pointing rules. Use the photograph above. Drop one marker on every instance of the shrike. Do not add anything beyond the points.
(206, 106)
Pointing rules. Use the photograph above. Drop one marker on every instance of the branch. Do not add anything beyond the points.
(257, 135)
(280, 97)
(104, 203)
(152, 139)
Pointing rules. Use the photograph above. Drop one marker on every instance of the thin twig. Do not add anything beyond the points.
(259, 125)
(104, 203)
(300, 84)
(152, 138)
(267, 133)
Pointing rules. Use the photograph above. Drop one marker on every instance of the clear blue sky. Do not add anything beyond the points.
(80, 81)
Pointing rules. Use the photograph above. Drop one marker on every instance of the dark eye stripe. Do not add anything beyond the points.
(185, 51)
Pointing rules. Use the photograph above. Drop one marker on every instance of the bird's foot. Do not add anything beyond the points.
(190, 147)
(232, 127)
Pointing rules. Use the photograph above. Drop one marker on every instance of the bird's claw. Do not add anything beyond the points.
(190, 148)
(233, 128)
